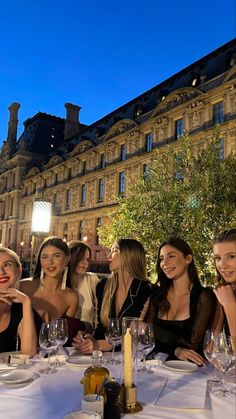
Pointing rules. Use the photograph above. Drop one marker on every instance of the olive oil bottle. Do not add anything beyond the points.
(94, 376)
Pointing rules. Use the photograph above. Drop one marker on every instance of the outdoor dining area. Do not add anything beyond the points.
(41, 388)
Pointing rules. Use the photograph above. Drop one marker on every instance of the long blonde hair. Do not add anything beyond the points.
(133, 262)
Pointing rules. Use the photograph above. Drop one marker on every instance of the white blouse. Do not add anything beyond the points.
(86, 289)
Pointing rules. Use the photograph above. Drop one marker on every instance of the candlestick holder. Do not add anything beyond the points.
(128, 400)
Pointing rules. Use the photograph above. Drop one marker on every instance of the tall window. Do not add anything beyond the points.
(84, 167)
(81, 230)
(222, 148)
(11, 206)
(65, 235)
(123, 152)
(102, 161)
(68, 198)
(146, 171)
(98, 224)
(83, 195)
(101, 190)
(148, 142)
(218, 113)
(121, 183)
(179, 128)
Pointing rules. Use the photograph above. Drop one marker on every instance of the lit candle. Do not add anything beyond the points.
(127, 359)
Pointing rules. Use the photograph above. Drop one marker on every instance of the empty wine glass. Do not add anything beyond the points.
(48, 343)
(60, 329)
(145, 344)
(223, 357)
(113, 336)
(209, 338)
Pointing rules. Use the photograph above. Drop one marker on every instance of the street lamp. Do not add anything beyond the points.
(41, 220)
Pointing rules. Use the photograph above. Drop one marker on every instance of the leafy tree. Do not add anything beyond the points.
(189, 192)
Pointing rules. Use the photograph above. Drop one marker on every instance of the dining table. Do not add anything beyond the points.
(163, 393)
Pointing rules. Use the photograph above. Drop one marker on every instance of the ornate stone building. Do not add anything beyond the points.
(82, 168)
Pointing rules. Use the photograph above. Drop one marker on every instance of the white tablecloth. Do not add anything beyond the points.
(54, 396)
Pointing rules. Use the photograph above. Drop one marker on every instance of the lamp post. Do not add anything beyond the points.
(41, 221)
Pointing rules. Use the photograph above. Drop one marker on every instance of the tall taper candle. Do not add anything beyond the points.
(128, 359)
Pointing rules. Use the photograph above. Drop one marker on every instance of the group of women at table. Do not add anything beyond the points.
(180, 308)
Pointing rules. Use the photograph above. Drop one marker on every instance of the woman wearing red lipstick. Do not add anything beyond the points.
(47, 290)
(224, 249)
(17, 328)
(180, 308)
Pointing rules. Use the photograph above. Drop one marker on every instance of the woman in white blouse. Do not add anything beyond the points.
(83, 282)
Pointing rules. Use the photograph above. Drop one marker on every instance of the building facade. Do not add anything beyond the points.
(81, 169)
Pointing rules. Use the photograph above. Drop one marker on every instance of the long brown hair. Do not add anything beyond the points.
(164, 282)
(49, 241)
(224, 236)
(133, 261)
(77, 252)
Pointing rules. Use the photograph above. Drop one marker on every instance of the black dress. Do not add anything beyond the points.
(8, 338)
(133, 305)
(188, 333)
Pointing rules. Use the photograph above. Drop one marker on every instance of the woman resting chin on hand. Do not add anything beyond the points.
(15, 307)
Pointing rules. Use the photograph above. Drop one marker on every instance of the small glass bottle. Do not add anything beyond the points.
(112, 408)
(94, 376)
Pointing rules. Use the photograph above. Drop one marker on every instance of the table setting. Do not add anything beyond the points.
(40, 388)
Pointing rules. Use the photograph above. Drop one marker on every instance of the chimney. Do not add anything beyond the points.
(13, 122)
(72, 120)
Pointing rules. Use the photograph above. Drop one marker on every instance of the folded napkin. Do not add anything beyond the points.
(82, 415)
(187, 392)
(18, 359)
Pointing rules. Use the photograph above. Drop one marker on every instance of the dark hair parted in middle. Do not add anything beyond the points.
(49, 241)
(77, 252)
(163, 281)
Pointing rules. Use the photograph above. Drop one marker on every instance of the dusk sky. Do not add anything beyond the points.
(100, 54)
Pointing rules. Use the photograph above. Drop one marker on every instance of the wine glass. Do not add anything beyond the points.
(113, 336)
(208, 345)
(60, 330)
(223, 357)
(145, 344)
(48, 343)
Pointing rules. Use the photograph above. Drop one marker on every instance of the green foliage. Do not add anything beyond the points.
(190, 193)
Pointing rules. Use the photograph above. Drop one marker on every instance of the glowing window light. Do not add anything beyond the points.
(41, 217)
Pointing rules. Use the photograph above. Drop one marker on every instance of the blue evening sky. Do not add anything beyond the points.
(100, 54)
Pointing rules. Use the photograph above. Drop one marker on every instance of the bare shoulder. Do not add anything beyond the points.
(71, 294)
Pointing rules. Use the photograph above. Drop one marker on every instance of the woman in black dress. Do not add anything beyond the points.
(180, 308)
(17, 328)
(125, 294)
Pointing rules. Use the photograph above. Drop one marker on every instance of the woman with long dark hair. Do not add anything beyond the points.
(47, 289)
(83, 282)
(180, 308)
(224, 250)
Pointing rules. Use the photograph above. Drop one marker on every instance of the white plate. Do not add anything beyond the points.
(79, 361)
(15, 376)
(181, 366)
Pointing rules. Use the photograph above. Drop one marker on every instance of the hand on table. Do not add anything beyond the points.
(185, 354)
(84, 343)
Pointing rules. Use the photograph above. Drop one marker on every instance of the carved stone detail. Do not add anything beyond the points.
(54, 161)
(176, 98)
(120, 127)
